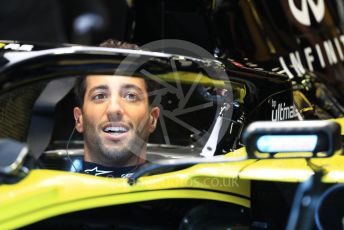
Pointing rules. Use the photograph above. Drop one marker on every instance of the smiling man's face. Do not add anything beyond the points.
(116, 120)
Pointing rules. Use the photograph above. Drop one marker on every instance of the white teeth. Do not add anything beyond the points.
(116, 129)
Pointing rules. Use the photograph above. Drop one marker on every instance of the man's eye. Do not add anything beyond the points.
(99, 96)
(131, 96)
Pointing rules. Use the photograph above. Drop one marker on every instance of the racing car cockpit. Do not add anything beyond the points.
(204, 103)
(44, 80)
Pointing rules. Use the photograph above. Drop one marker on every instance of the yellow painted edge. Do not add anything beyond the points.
(78, 205)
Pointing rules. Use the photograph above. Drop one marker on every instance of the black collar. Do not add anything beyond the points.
(115, 172)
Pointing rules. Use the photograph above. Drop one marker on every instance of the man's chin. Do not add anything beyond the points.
(121, 148)
(118, 157)
(114, 149)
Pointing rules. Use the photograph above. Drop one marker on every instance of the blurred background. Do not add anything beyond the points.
(302, 39)
(90, 22)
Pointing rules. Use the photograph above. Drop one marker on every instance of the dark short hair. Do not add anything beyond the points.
(80, 83)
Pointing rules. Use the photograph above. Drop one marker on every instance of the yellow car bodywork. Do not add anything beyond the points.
(46, 193)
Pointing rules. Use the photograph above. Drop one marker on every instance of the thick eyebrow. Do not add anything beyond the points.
(98, 87)
(132, 86)
(106, 87)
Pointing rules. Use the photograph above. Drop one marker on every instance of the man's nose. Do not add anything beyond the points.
(115, 109)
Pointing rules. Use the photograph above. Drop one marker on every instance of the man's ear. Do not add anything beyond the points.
(78, 119)
(153, 118)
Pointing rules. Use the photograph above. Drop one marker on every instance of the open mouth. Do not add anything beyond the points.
(115, 130)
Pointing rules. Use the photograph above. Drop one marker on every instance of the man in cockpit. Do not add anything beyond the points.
(115, 116)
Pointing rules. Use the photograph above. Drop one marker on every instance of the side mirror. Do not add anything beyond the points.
(292, 139)
(12, 155)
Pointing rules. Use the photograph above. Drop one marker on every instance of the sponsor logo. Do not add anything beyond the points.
(281, 111)
(323, 54)
(16, 47)
(96, 171)
(303, 16)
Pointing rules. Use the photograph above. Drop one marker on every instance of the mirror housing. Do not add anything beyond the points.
(292, 139)
(12, 155)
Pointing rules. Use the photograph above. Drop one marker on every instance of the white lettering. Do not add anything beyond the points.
(292, 112)
(339, 49)
(282, 112)
(309, 58)
(331, 48)
(331, 55)
(285, 68)
(282, 117)
(273, 118)
(26, 47)
(16, 46)
(286, 112)
(297, 64)
(321, 58)
(341, 38)
(12, 46)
